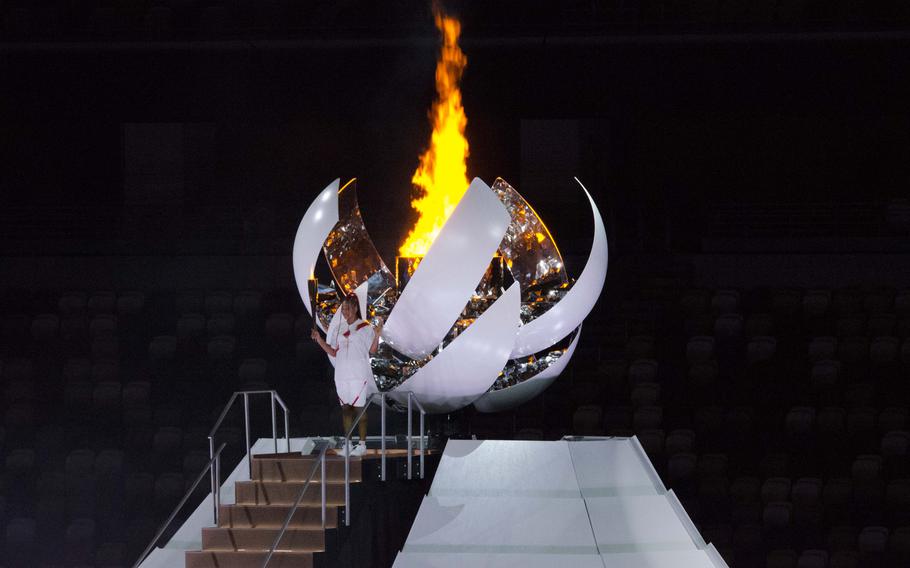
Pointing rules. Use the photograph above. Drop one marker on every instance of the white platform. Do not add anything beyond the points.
(592, 502)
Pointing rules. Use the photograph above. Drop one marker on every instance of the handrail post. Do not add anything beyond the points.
(217, 493)
(274, 423)
(246, 424)
(287, 432)
(215, 484)
(382, 402)
(422, 413)
(410, 426)
(347, 483)
(324, 482)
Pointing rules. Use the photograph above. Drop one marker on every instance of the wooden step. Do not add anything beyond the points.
(249, 539)
(246, 559)
(290, 467)
(273, 516)
(286, 493)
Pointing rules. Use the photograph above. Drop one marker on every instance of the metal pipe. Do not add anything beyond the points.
(410, 426)
(214, 484)
(274, 423)
(217, 493)
(223, 414)
(246, 424)
(347, 486)
(422, 413)
(287, 432)
(324, 483)
(294, 507)
(382, 402)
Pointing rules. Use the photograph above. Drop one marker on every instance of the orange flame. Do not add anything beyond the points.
(441, 178)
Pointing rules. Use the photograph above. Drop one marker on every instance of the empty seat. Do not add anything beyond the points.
(642, 371)
(867, 467)
(136, 393)
(884, 350)
(220, 324)
(873, 539)
(279, 326)
(895, 444)
(806, 492)
(21, 463)
(109, 463)
(80, 541)
(728, 326)
(881, 325)
(103, 324)
(162, 347)
(221, 348)
(45, 327)
(759, 325)
(130, 302)
(777, 515)
(247, 303)
(702, 374)
(647, 417)
(775, 489)
(218, 302)
(813, 558)
(816, 303)
(189, 301)
(105, 370)
(850, 327)
(190, 325)
(761, 348)
(725, 302)
(106, 400)
(853, 349)
(640, 347)
(821, 348)
(680, 441)
(892, 418)
(587, 419)
(825, 374)
(800, 420)
(700, 349)
(645, 394)
(72, 302)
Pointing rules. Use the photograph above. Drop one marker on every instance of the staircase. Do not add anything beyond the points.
(247, 529)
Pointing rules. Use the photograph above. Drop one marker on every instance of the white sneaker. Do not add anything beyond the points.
(345, 449)
(359, 449)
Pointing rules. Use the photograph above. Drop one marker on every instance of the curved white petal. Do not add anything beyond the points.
(315, 226)
(510, 397)
(469, 365)
(568, 313)
(449, 273)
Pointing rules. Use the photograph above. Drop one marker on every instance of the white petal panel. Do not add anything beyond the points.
(315, 226)
(510, 397)
(449, 273)
(469, 365)
(568, 313)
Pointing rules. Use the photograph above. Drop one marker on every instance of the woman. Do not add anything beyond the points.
(351, 341)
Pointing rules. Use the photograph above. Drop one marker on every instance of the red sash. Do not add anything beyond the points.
(360, 326)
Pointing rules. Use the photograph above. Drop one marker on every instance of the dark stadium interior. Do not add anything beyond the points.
(750, 160)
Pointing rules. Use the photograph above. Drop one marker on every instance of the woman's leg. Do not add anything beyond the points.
(347, 417)
(363, 427)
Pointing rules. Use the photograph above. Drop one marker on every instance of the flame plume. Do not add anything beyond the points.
(441, 178)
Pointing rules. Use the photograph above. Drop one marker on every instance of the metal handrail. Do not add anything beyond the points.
(275, 398)
(214, 463)
(321, 465)
(347, 441)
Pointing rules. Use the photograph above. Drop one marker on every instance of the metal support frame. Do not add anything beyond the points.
(320, 466)
(276, 401)
(214, 463)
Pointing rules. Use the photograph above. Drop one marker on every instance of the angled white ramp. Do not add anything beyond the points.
(582, 502)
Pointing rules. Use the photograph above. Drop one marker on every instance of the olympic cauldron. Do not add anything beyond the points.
(488, 316)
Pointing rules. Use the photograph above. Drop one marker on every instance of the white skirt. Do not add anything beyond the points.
(353, 392)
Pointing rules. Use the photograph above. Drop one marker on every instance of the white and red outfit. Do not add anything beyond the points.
(353, 373)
